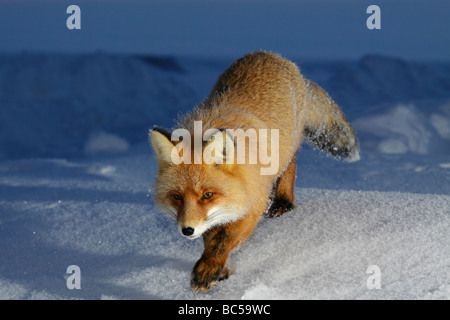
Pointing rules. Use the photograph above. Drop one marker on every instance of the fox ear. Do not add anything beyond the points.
(160, 141)
(219, 148)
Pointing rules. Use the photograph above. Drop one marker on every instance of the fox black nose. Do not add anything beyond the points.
(187, 231)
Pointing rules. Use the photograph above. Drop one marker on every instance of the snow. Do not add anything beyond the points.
(68, 98)
(404, 128)
(103, 142)
(76, 177)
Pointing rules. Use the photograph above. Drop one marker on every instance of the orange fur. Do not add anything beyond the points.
(259, 91)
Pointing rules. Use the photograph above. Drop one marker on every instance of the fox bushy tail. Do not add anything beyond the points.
(326, 128)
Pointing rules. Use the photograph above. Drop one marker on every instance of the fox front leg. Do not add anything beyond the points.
(219, 242)
(211, 267)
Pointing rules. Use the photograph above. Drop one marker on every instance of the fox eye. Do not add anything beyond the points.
(207, 195)
(176, 196)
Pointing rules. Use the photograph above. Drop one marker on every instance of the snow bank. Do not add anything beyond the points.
(377, 79)
(52, 104)
(407, 128)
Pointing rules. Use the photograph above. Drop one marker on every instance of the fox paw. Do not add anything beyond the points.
(206, 274)
(279, 206)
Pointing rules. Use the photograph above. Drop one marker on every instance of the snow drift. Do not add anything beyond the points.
(377, 79)
(52, 104)
(421, 128)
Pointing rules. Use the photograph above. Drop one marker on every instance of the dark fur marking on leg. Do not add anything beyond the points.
(280, 205)
(209, 269)
(218, 243)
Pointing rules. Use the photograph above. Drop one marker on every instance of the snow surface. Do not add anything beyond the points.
(78, 189)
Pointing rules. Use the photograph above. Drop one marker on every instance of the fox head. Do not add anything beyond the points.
(199, 196)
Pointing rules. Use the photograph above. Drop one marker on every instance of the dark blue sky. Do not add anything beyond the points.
(329, 29)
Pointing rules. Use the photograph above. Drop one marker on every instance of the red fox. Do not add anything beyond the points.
(223, 200)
